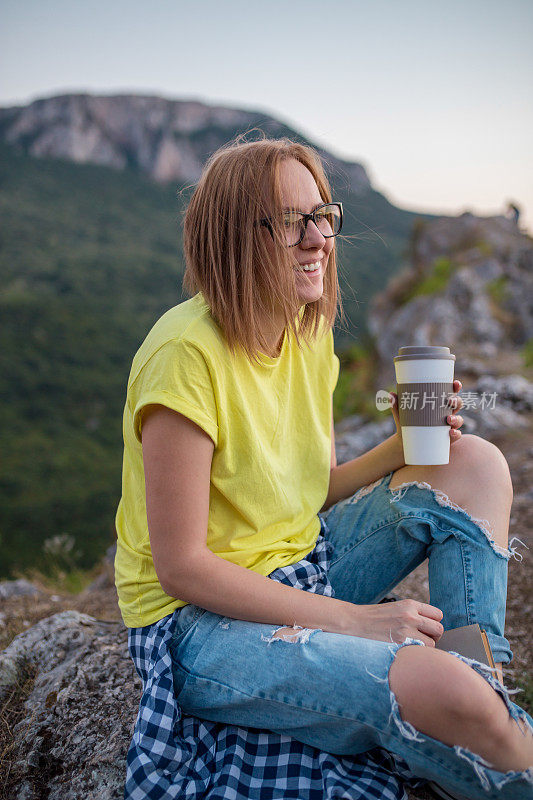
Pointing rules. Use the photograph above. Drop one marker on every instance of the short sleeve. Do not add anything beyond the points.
(176, 376)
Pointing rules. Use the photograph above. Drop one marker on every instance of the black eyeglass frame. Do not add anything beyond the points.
(266, 222)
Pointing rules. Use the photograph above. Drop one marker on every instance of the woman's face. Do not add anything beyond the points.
(300, 193)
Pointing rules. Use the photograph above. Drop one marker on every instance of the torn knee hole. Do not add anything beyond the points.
(294, 634)
(484, 525)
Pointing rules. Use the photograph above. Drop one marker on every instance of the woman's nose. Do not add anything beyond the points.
(312, 236)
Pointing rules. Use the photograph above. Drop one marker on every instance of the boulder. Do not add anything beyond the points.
(480, 302)
(79, 716)
(18, 588)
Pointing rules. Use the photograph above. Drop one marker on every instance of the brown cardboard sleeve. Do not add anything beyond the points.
(424, 404)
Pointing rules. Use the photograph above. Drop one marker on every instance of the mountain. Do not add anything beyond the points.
(169, 140)
(90, 257)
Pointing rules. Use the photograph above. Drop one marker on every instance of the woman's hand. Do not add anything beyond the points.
(395, 622)
(455, 421)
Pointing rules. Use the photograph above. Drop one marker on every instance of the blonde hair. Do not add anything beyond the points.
(226, 253)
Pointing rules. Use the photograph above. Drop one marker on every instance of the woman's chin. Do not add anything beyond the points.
(309, 294)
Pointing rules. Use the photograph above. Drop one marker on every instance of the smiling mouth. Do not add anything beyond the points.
(308, 267)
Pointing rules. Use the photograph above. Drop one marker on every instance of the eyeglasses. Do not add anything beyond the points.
(327, 218)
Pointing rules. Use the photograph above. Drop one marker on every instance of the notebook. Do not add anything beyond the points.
(470, 641)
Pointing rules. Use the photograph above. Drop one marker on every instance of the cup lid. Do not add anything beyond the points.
(423, 351)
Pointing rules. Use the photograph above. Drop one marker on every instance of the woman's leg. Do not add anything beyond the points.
(478, 480)
(328, 690)
(459, 708)
(387, 529)
(332, 691)
(468, 579)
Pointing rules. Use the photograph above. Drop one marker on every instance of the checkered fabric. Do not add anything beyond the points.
(177, 756)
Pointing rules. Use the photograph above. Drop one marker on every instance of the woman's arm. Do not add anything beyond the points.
(177, 457)
(382, 459)
(347, 478)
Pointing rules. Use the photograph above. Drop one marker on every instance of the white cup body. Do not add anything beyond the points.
(425, 444)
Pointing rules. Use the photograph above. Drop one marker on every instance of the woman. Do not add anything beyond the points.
(230, 479)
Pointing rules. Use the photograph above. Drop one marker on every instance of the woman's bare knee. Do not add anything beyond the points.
(448, 700)
(423, 681)
(442, 696)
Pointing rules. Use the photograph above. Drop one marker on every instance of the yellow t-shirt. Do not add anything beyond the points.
(271, 427)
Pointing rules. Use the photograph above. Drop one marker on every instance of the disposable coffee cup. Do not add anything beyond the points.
(424, 385)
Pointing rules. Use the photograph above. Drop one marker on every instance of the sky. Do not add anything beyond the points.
(434, 99)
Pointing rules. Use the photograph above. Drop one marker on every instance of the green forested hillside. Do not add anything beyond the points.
(89, 259)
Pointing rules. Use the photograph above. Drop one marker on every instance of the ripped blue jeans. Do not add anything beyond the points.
(331, 690)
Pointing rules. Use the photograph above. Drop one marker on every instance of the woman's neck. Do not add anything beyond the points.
(274, 346)
(274, 334)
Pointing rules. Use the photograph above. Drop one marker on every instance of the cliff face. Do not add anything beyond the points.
(169, 140)
(470, 287)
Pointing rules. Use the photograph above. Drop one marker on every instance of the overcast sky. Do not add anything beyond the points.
(435, 99)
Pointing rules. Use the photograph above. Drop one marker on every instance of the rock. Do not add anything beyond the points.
(100, 583)
(18, 588)
(514, 391)
(350, 424)
(519, 292)
(471, 366)
(485, 300)
(80, 714)
(492, 422)
(110, 554)
(106, 579)
(350, 443)
(487, 349)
